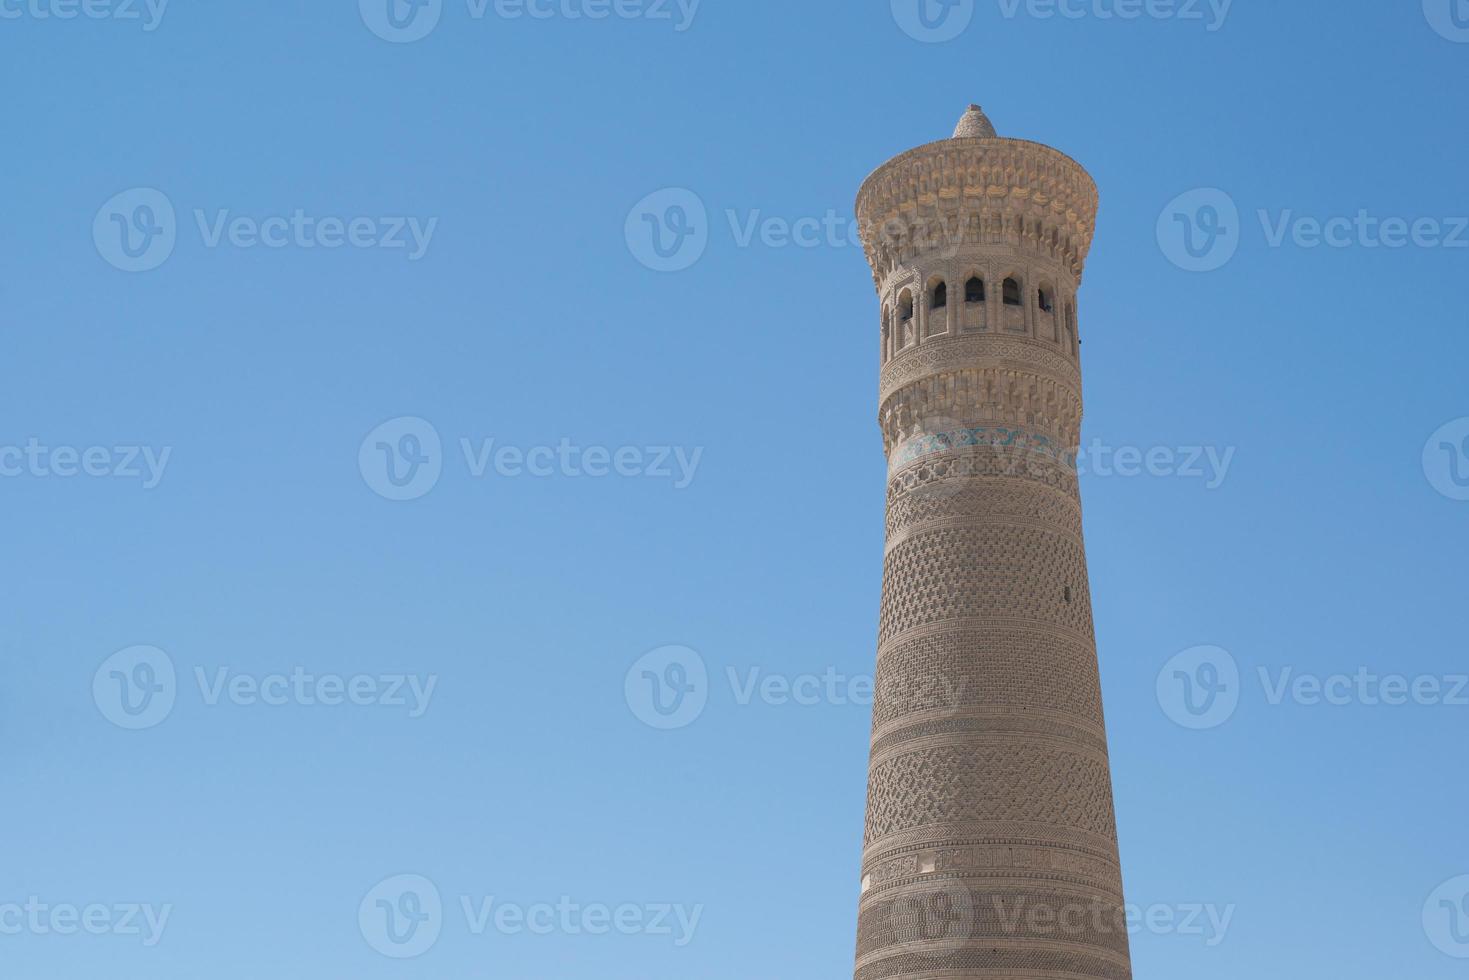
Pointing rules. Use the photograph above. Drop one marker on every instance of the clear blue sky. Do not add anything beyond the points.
(265, 545)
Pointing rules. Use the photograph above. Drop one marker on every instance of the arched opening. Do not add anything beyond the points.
(974, 290)
(1047, 323)
(939, 297)
(905, 325)
(1012, 293)
(887, 331)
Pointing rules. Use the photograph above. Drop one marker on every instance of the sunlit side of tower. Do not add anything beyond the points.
(990, 847)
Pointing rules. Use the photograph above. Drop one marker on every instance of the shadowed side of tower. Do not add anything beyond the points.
(990, 847)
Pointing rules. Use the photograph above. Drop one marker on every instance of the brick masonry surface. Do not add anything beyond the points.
(991, 843)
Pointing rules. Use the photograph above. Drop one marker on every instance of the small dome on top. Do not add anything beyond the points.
(974, 124)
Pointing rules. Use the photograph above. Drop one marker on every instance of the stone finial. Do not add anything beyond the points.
(974, 124)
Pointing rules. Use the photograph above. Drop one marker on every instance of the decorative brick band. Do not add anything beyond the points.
(941, 355)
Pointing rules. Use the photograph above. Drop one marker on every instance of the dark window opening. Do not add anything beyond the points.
(974, 290)
(1012, 292)
(940, 296)
(1045, 300)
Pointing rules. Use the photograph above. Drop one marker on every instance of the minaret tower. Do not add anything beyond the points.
(991, 844)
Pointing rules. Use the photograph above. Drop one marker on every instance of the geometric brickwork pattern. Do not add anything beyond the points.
(990, 844)
(987, 573)
(911, 511)
(935, 472)
(1020, 671)
(990, 781)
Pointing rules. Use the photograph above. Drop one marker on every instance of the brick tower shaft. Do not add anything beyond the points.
(990, 847)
